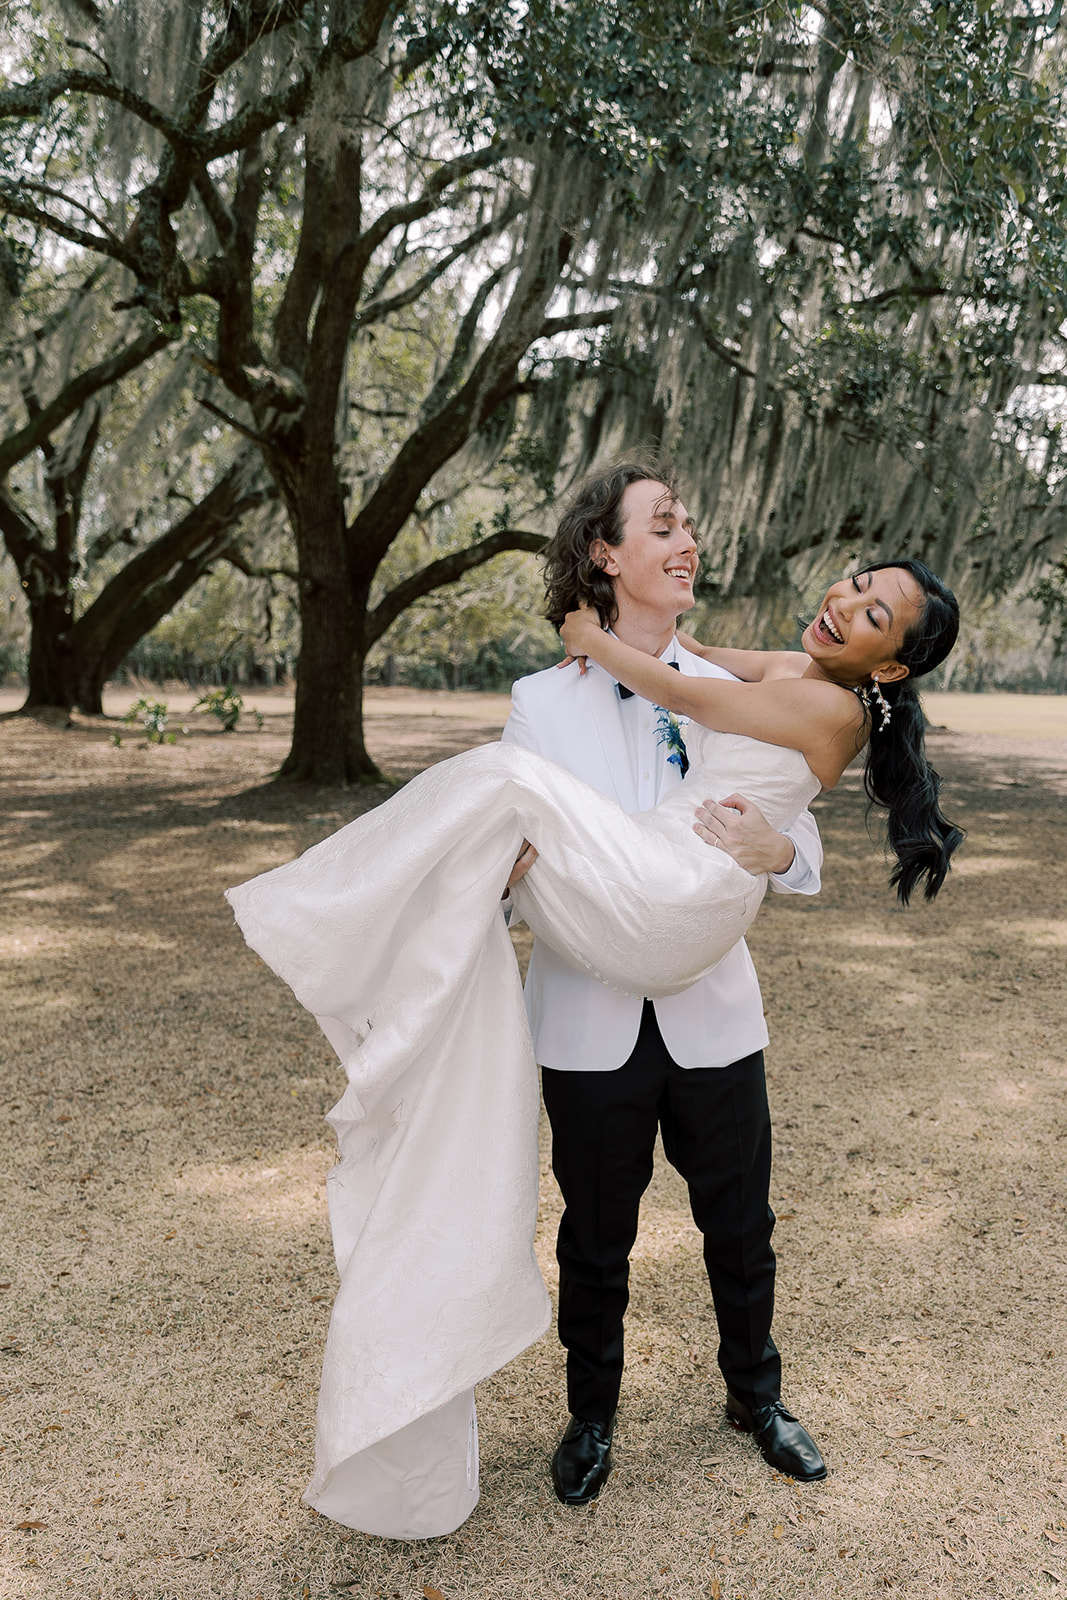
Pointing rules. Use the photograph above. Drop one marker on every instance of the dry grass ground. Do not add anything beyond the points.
(167, 1273)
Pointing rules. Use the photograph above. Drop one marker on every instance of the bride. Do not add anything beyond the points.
(390, 933)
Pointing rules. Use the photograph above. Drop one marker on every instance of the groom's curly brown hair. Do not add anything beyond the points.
(594, 512)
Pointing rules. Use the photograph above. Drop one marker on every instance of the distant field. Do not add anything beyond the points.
(1022, 716)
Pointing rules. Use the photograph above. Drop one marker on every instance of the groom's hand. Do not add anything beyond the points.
(740, 828)
(523, 862)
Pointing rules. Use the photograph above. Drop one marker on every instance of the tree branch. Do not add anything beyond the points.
(236, 558)
(12, 201)
(917, 291)
(447, 569)
(33, 100)
(287, 103)
(716, 346)
(377, 310)
(576, 320)
(215, 206)
(17, 446)
(244, 26)
(239, 427)
(23, 538)
(464, 342)
(57, 194)
(547, 247)
(448, 172)
(150, 584)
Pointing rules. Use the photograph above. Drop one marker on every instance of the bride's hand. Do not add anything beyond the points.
(578, 633)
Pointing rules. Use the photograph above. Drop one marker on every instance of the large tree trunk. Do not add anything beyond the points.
(52, 666)
(328, 745)
(70, 661)
(359, 757)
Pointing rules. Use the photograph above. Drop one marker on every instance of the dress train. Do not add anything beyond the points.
(390, 933)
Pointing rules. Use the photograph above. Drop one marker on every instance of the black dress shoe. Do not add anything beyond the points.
(582, 1461)
(783, 1441)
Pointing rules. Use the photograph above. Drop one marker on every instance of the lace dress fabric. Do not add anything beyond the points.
(390, 933)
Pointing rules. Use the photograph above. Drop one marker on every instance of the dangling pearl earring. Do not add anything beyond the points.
(883, 703)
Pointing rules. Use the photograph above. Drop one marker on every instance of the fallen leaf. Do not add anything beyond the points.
(1055, 1576)
(715, 1590)
(784, 1216)
(169, 1235)
(25, 1527)
(315, 1297)
(927, 1455)
(53, 1427)
(905, 1433)
(1053, 1538)
(779, 1530)
(430, 1593)
(64, 1119)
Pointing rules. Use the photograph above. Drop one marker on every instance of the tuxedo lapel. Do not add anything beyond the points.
(602, 709)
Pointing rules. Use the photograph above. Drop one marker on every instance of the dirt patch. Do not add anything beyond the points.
(166, 1258)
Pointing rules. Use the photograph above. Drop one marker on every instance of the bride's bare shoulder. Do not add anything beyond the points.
(785, 664)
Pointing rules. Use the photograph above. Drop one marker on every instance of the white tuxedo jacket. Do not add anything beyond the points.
(579, 1024)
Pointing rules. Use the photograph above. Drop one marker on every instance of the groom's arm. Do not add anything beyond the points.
(804, 873)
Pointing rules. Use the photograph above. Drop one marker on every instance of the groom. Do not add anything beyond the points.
(617, 1069)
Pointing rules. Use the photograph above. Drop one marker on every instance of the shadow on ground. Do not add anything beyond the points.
(167, 1273)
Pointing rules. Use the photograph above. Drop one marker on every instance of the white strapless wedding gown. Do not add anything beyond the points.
(390, 932)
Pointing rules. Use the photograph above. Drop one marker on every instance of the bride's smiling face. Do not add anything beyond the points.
(861, 626)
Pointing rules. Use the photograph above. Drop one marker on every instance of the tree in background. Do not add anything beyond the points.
(105, 530)
(819, 255)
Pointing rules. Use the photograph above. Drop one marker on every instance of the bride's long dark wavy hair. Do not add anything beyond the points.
(897, 774)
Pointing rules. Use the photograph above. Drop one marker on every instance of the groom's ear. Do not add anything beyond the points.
(602, 555)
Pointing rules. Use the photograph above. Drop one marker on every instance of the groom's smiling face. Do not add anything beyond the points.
(656, 563)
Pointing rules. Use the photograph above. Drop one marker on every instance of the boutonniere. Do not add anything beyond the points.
(669, 732)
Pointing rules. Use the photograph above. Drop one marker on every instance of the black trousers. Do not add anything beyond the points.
(717, 1134)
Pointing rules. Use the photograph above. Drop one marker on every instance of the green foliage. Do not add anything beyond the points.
(818, 254)
(1050, 593)
(226, 705)
(152, 715)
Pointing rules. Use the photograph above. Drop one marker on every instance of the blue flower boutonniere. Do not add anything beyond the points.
(669, 732)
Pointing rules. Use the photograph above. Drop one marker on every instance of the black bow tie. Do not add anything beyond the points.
(627, 694)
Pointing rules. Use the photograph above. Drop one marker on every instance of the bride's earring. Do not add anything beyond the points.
(883, 703)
